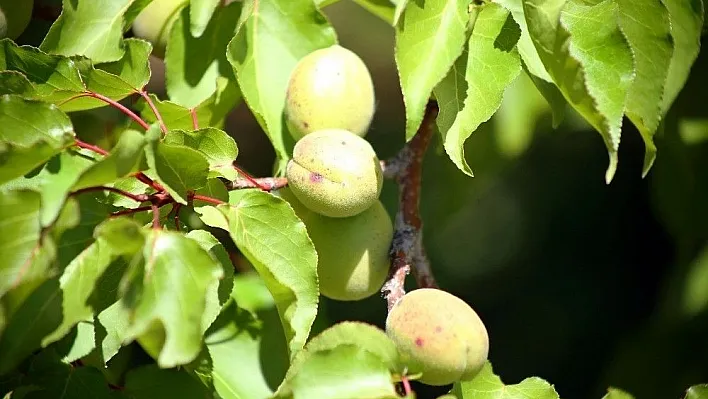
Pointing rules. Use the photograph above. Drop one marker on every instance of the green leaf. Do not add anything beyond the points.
(93, 29)
(78, 342)
(27, 256)
(51, 377)
(345, 371)
(361, 335)
(178, 168)
(400, 7)
(150, 382)
(36, 317)
(16, 161)
(697, 392)
(383, 9)
(486, 385)
(25, 122)
(589, 60)
(492, 65)
(282, 30)
(65, 81)
(267, 231)
(193, 64)
(614, 393)
(210, 113)
(686, 24)
(235, 343)
(216, 145)
(532, 64)
(77, 283)
(115, 320)
(200, 13)
(125, 158)
(436, 29)
(170, 290)
(647, 29)
(219, 292)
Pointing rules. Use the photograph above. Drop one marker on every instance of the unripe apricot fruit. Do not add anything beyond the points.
(439, 335)
(330, 88)
(335, 173)
(352, 253)
(155, 22)
(15, 15)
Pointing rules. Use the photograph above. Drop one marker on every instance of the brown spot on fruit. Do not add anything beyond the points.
(438, 329)
(419, 341)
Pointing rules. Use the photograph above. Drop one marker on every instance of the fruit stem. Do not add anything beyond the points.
(195, 120)
(407, 251)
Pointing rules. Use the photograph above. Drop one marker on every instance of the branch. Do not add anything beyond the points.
(264, 183)
(135, 197)
(407, 251)
(152, 106)
(112, 103)
(254, 182)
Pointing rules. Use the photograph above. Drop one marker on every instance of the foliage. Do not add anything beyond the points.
(118, 278)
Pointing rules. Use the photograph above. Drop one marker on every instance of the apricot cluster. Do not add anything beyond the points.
(334, 176)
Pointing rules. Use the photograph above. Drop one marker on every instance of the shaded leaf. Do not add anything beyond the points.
(65, 81)
(93, 29)
(38, 315)
(200, 13)
(125, 158)
(194, 64)
(275, 241)
(487, 385)
(150, 382)
(435, 28)
(282, 30)
(15, 161)
(26, 256)
(492, 65)
(169, 290)
(589, 60)
(216, 145)
(178, 168)
(210, 113)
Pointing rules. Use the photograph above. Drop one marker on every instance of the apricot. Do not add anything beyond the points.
(15, 15)
(335, 173)
(352, 252)
(155, 22)
(330, 88)
(438, 335)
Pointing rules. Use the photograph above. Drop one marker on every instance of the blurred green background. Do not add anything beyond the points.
(584, 284)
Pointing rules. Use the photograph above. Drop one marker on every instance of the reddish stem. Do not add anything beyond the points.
(115, 104)
(91, 147)
(195, 120)
(152, 106)
(250, 178)
(176, 208)
(208, 199)
(131, 211)
(134, 197)
(406, 386)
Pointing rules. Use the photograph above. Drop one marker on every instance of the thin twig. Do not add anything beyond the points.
(152, 106)
(135, 197)
(208, 199)
(407, 251)
(250, 178)
(91, 147)
(264, 183)
(113, 103)
(155, 216)
(131, 211)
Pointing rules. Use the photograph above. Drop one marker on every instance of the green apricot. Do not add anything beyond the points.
(155, 22)
(15, 15)
(330, 88)
(439, 335)
(352, 252)
(335, 173)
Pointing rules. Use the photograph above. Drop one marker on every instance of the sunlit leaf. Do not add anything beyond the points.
(200, 13)
(435, 28)
(486, 385)
(282, 30)
(218, 147)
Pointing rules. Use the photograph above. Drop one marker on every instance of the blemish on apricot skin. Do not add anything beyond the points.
(419, 342)
(315, 177)
(438, 329)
